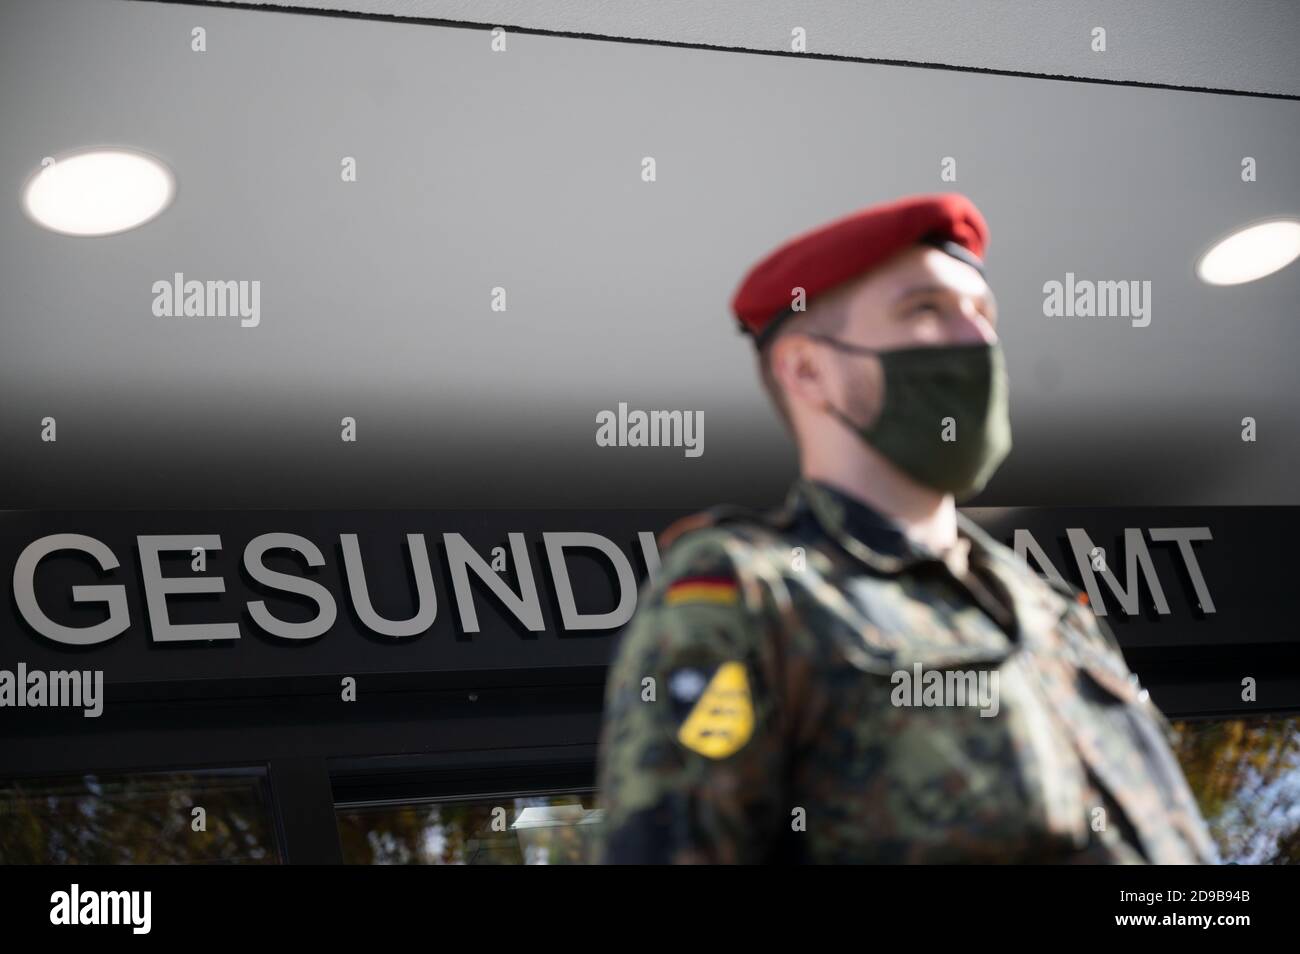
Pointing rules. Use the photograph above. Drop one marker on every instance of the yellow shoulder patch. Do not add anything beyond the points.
(722, 721)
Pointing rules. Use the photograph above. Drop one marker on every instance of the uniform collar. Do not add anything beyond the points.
(872, 537)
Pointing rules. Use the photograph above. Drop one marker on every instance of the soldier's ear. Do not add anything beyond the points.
(800, 369)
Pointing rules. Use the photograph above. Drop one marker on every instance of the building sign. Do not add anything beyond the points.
(179, 596)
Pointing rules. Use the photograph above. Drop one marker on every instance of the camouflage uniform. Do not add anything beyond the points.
(749, 715)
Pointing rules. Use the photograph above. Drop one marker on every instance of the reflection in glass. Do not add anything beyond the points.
(502, 830)
(138, 819)
(1245, 774)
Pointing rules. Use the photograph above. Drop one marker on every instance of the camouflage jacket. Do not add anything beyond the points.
(790, 689)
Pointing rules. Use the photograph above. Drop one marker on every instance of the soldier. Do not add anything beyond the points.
(864, 675)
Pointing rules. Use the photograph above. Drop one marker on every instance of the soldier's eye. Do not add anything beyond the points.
(923, 307)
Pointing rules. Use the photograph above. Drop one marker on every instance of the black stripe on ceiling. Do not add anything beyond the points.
(832, 57)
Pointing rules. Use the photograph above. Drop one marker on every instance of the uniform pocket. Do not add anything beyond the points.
(998, 778)
(1100, 661)
(1129, 743)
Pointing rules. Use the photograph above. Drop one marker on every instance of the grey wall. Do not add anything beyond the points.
(1228, 45)
(522, 169)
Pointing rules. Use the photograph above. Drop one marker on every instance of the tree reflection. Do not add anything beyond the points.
(1245, 774)
(500, 831)
(136, 819)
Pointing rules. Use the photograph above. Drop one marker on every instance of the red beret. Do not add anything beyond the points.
(821, 258)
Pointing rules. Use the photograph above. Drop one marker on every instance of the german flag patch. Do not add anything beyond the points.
(702, 589)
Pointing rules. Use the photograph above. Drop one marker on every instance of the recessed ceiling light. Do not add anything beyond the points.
(1251, 252)
(99, 192)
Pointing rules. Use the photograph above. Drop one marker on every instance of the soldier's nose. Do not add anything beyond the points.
(971, 326)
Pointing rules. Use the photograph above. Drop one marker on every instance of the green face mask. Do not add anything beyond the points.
(945, 420)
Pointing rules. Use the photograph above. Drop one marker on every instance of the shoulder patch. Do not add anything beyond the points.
(722, 719)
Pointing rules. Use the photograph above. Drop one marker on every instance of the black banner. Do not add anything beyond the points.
(175, 596)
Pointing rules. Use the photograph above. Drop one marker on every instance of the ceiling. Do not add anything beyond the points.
(522, 170)
(1217, 46)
